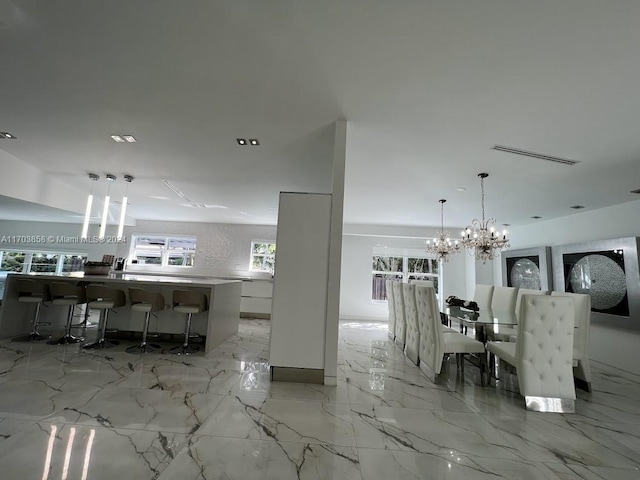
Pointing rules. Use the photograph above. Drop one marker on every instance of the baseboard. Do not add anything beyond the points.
(351, 318)
(255, 316)
(297, 375)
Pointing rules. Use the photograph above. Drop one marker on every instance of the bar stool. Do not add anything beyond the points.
(103, 299)
(63, 293)
(31, 291)
(189, 302)
(145, 301)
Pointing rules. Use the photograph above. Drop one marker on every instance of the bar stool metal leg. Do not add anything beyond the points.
(144, 346)
(67, 338)
(102, 342)
(185, 348)
(34, 334)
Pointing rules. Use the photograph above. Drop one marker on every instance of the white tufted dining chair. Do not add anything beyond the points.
(482, 295)
(412, 344)
(504, 299)
(434, 342)
(581, 336)
(392, 308)
(506, 333)
(398, 298)
(542, 353)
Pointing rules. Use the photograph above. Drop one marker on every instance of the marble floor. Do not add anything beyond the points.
(71, 414)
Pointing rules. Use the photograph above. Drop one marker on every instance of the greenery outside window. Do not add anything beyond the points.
(41, 262)
(402, 268)
(263, 257)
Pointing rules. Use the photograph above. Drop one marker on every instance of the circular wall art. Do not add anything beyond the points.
(525, 274)
(600, 276)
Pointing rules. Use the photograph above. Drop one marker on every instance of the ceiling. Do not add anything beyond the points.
(427, 88)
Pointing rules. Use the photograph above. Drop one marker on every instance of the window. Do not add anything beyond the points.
(403, 268)
(44, 262)
(263, 257)
(41, 262)
(12, 261)
(163, 251)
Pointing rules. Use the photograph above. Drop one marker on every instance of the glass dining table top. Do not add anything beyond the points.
(484, 316)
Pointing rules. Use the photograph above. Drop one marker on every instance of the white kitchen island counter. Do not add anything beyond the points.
(217, 324)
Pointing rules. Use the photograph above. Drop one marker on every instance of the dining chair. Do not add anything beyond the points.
(398, 297)
(581, 337)
(504, 298)
(392, 309)
(507, 334)
(412, 336)
(435, 343)
(482, 295)
(543, 353)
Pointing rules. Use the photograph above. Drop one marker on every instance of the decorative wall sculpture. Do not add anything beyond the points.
(527, 268)
(608, 271)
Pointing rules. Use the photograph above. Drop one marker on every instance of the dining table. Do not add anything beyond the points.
(486, 324)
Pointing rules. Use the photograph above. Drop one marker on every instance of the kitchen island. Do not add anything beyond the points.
(217, 324)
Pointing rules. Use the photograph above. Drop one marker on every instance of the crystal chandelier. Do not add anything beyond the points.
(442, 245)
(482, 238)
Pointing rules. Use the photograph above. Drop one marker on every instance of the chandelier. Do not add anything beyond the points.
(482, 237)
(442, 245)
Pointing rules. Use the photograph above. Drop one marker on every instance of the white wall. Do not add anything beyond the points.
(357, 251)
(610, 345)
(54, 235)
(222, 249)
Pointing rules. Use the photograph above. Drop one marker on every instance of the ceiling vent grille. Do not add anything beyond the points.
(635, 191)
(540, 156)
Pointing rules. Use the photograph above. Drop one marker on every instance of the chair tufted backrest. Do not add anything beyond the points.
(430, 328)
(526, 291)
(544, 348)
(504, 299)
(581, 331)
(398, 298)
(483, 295)
(392, 307)
(412, 335)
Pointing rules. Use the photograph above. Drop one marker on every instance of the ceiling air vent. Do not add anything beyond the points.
(540, 156)
(577, 207)
(636, 191)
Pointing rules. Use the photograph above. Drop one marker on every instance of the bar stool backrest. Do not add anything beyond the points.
(190, 297)
(138, 295)
(66, 290)
(32, 288)
(100, 292)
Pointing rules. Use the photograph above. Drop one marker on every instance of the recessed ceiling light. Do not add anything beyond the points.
(130, 138)
(461, 189)
(536, 217)
(241, 141)
(7, 135)
(215, 206)
(117, 138)
(577, 207)
(158, 197)
(254, 141)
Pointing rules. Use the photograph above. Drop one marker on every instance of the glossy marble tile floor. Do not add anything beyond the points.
(71, 414)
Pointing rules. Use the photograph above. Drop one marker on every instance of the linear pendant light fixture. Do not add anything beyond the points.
(123, 210)
(87, 211)
(105, 209)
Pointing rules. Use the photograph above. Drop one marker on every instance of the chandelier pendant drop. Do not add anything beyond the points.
(442, 245)
(482, 239)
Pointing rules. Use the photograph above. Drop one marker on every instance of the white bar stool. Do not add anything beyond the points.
(63, 293)
(103, 299)
(31, 291)
(189, 302)
(148, 302)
